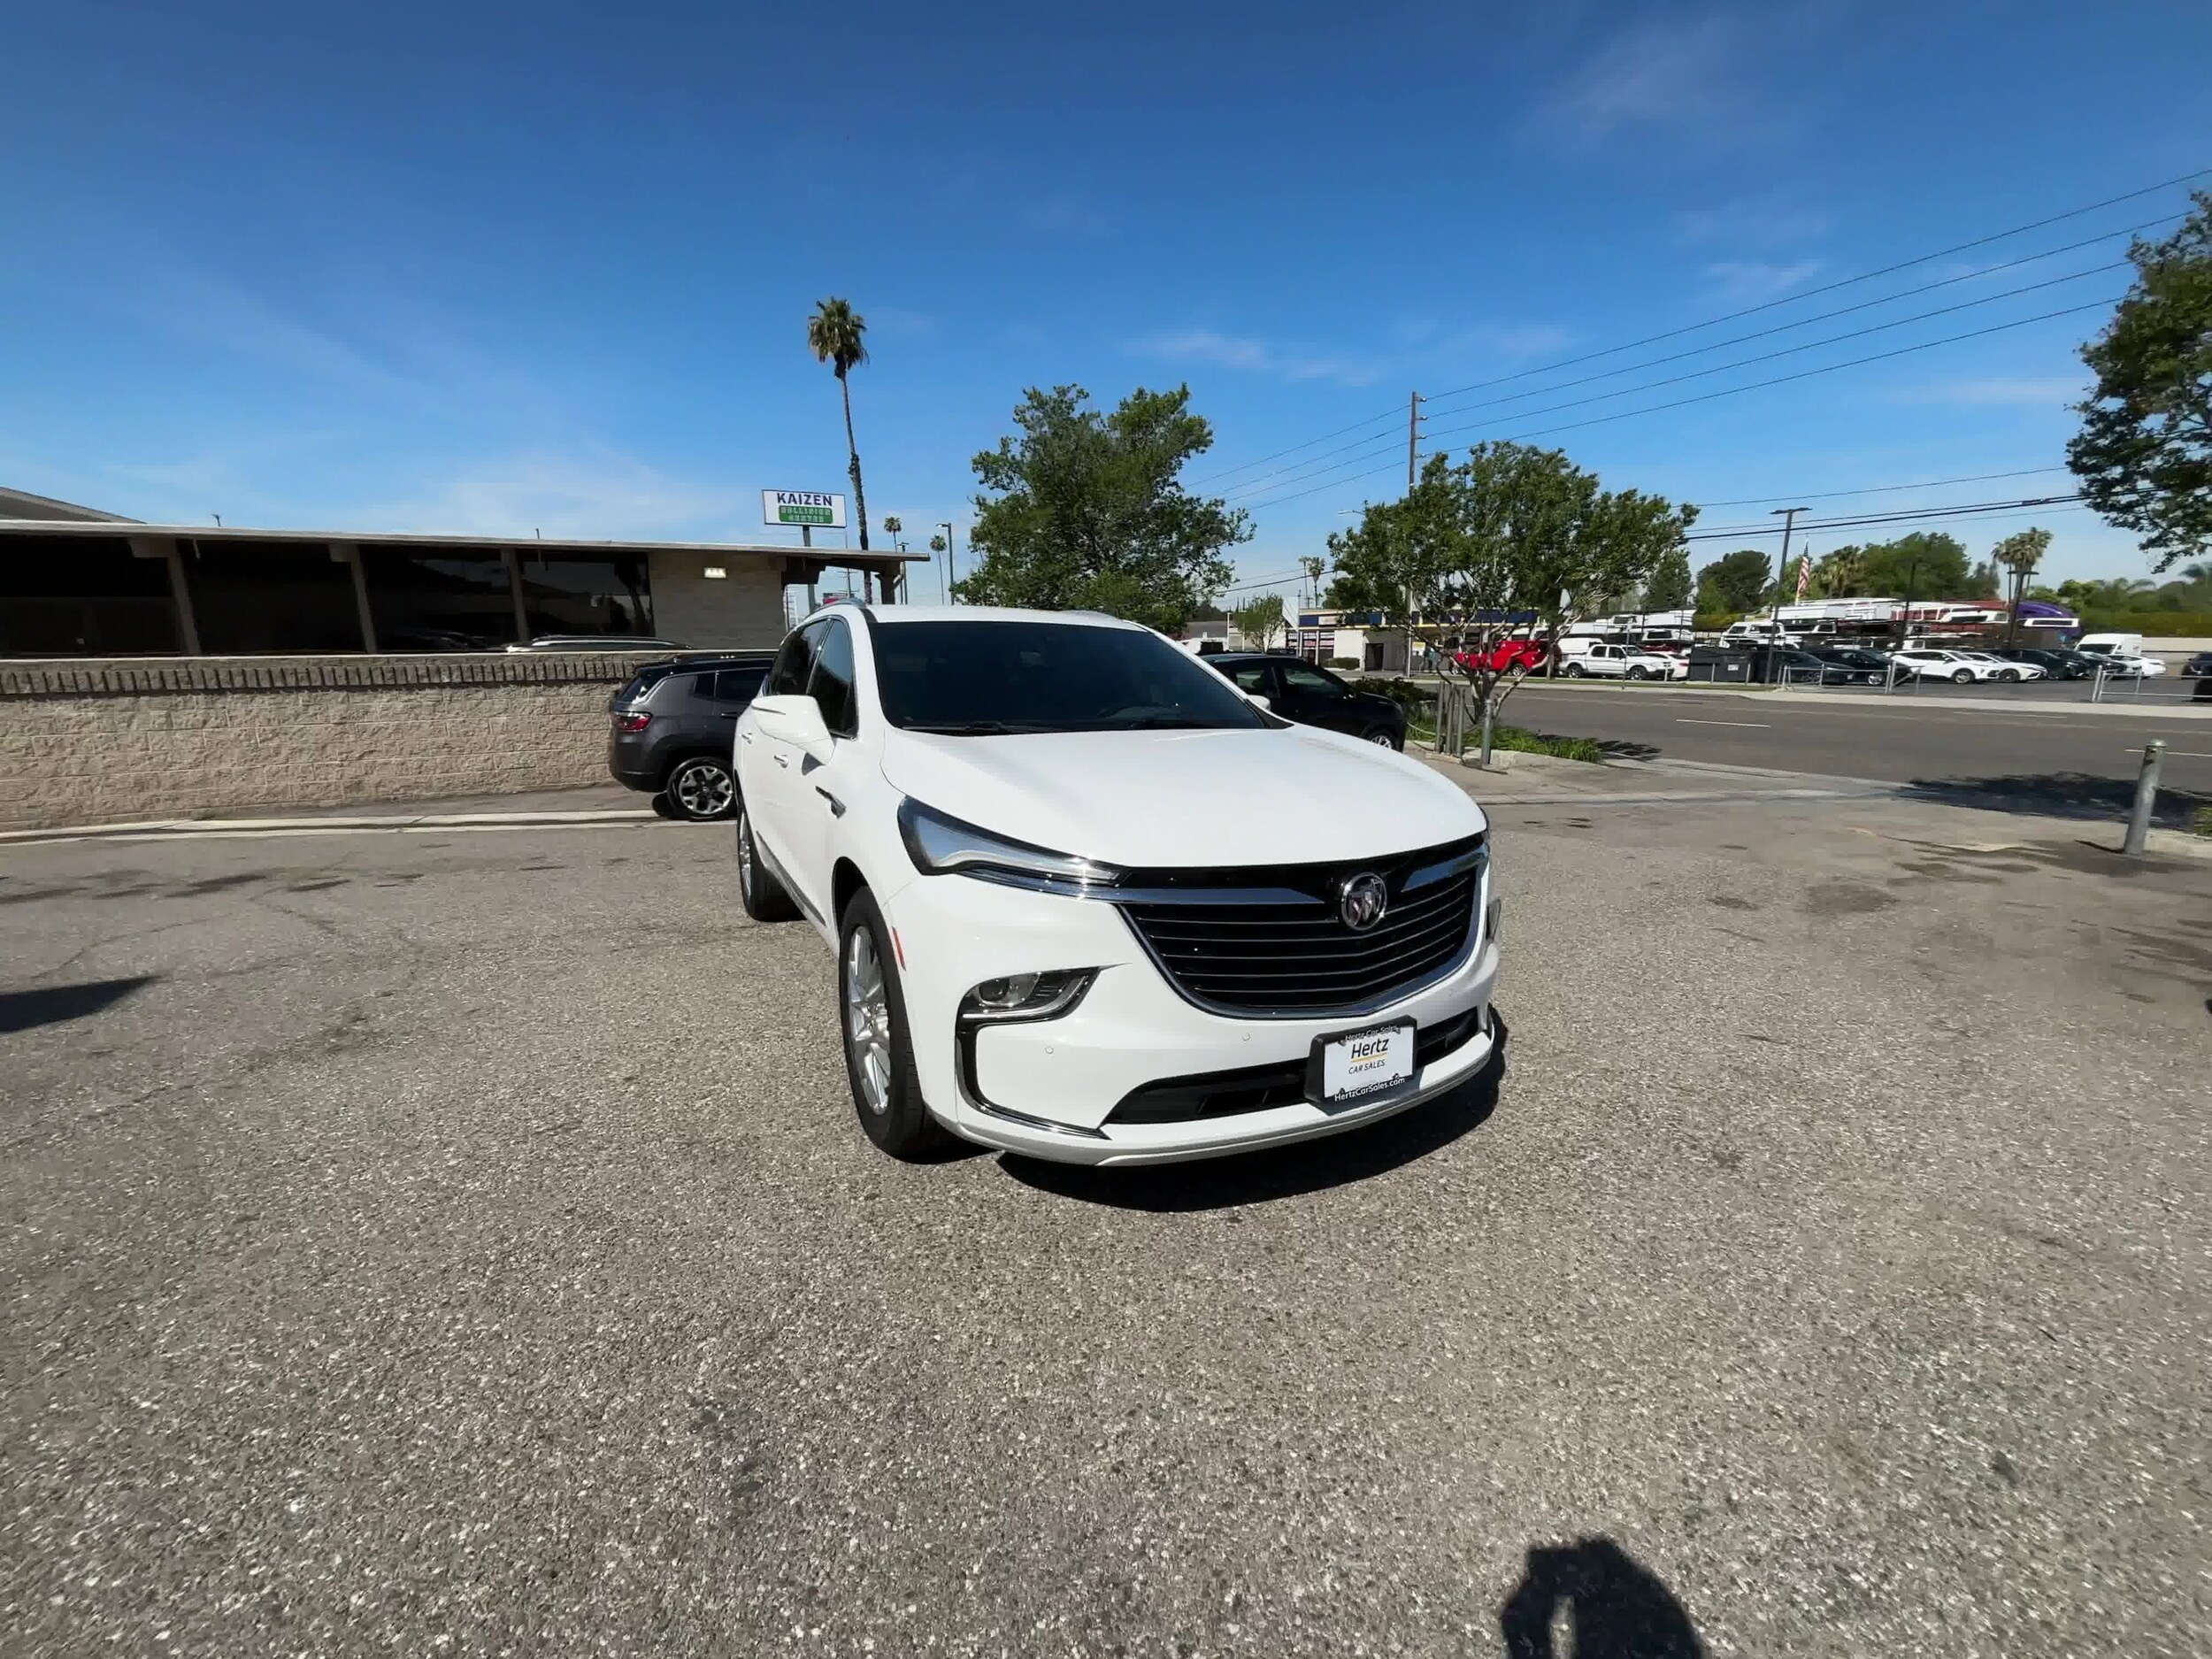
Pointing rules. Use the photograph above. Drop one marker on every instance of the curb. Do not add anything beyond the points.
(388, 824)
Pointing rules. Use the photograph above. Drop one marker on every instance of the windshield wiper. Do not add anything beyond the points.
(1164, 723)
(973, 728)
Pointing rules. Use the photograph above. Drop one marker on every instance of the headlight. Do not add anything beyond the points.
(942, 845)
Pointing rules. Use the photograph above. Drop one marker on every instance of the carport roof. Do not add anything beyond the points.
(204, 534)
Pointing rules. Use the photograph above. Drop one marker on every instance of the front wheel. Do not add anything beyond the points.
(1574, 671)
(1637, 673)
(759, 892)
(1383, 735)
(2008, 673)
(878, 1046)
(702, 789)
(1964, 677)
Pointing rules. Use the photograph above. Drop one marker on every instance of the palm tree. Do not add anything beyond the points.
(832, 333)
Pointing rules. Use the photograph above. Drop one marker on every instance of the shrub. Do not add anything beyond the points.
(2163, 625)
(1412, 698)
(1528, 742)
(1344, 662)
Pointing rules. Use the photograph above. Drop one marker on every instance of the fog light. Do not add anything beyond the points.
(1027, 996)
(1492, 915)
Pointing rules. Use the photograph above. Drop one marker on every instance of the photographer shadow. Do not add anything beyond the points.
(1614, 1607)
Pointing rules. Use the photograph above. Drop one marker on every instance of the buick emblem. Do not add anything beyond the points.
(1360, 901)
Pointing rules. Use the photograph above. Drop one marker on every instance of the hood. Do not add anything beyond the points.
(1273, 796)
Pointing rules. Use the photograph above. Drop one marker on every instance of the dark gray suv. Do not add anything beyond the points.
(674, 726)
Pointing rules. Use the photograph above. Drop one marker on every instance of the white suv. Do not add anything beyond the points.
(1622, 662)
(1092, 903)
(1955, 667)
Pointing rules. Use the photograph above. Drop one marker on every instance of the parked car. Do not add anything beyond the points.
(1923, 663)
(2196, 667)
(2007, 668)
(597, 642)
(2055, 663)
(1503, 657)
(675, 725)
(1043, 844)
(1825, 668)
(1298, 691)
(1872, 662)
(1622, 661)
(2132, 665)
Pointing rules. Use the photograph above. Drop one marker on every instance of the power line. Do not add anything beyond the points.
(1749, 310)
(1830, 287)
(1718, 368)
(1725, 391)
(1881, 489)
(1736, 533)
(1841, 310)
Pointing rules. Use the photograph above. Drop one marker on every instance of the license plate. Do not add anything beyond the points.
(1362, 1063)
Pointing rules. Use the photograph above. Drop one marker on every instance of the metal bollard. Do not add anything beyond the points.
(2146, 798)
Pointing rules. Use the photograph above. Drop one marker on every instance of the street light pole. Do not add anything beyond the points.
(946, 527)
(1788, 516)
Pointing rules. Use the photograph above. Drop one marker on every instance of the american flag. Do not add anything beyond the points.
(1804, 575)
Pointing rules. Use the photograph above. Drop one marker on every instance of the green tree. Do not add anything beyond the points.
(1926, 565)
(1511, 529)
(1258, 620)
(2144, 453)
(1671, 587)
(1736, 582)
(833, 334)
(1981, 582)
(1084, 511)
(1838, 574)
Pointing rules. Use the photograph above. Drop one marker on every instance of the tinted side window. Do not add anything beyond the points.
(795, 663)
(1250, 676)
(833, 685)
(1311, 681)
(737, 685)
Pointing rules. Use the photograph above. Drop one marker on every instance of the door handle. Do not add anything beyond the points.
(744, 737)
(837, 807)
(783, 760)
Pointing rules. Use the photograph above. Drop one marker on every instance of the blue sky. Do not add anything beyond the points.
(548, 265)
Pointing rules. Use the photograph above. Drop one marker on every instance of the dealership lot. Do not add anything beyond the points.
(436, 1242)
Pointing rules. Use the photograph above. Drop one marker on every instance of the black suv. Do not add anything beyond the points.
(674, 726)
(1295, 689)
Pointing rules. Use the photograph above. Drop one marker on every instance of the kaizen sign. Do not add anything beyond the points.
(811, 507)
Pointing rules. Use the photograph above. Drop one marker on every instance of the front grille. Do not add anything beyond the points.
(1270, 941)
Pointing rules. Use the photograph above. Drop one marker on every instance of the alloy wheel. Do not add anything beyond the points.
(704, 789)
(868, 1019)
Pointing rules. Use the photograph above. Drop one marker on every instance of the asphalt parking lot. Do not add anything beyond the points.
(459, 1243)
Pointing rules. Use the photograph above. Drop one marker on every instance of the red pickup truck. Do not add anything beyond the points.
(1503, 657)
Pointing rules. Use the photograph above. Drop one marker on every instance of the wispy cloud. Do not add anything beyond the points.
(1676, 76)
(599, 492)
(1752, 222)
(1239, 351)
(1063, 213)
(1749, 281)
(2025, 391)
(1515, 340)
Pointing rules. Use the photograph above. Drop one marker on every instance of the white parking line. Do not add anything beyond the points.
(1685, 720)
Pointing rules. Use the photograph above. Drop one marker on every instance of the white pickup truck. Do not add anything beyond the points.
(1619, 661)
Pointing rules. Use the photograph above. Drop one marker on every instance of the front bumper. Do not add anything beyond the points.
(1049, 1088)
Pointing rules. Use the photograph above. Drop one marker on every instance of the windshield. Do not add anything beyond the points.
(986, 678)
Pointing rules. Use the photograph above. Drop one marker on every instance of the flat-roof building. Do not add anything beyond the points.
(77, 582)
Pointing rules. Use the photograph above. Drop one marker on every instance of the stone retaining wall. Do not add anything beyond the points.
(109, 741)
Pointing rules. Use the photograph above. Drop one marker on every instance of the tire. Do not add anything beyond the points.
(702, 789)
(663, 807)
(759, 892)
(1383, 735)
(1638, 672)
(1574, 671)
(878, 1046)
(1964, 677)
(2008, 674)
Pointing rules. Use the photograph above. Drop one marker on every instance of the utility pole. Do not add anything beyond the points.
(1413, 439)
(1788, 516)
(947, 528)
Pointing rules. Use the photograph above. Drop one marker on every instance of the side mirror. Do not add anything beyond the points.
(795, 719)
(1258, 700)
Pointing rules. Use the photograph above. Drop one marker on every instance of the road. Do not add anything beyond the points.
(462, 1244)
(1905, 738)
